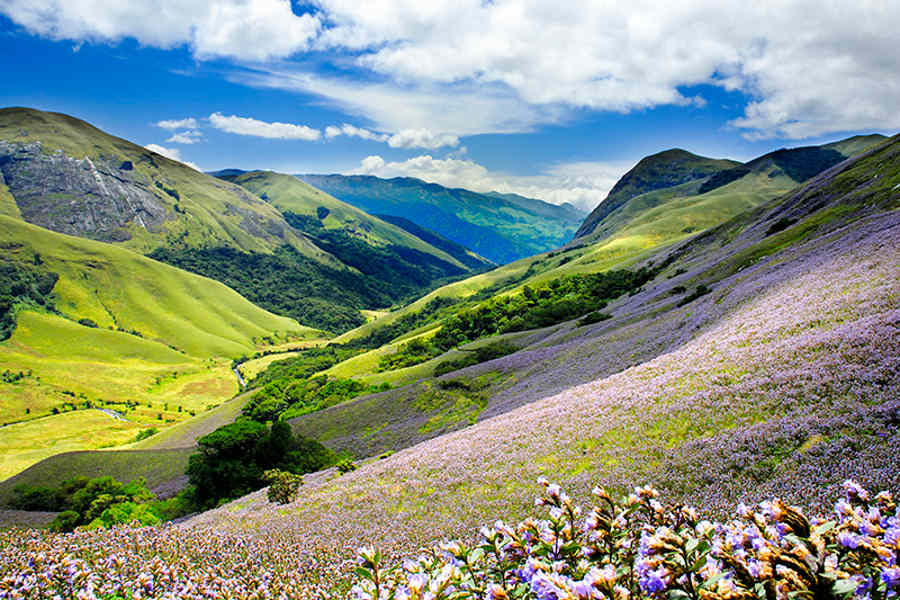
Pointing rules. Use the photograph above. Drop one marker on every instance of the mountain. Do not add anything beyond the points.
(498, 228)
(771, 384)
(68, 176)
(460, 253)
(114, 343)
(680, 178)
(661, 170)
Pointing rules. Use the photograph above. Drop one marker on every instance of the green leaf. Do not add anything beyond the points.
(363, 572)
(824, 528)
(844, 587)
(676, 594)
(712, 581)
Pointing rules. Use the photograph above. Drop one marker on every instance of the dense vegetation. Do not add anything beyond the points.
(407, 270)
(233, 459)
(802, 163)
(288, 283)
(562, 299)
(22, 284)
(288, 397)
(640, 549)
(457, 251)
(476, 356)
(97, 502)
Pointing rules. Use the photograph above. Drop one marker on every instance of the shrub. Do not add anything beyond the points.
(637, 548)
(594, 317)
(283, 486)
(701, 290)
(345, 466)
(780, 225)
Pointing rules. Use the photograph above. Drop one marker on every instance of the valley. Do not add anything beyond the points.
(727, 331)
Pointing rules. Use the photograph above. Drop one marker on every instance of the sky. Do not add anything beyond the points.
(548, 99)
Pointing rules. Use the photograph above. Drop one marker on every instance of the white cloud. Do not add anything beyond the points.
(351, 131)
(173, 124)
(422, 138)
(256, 128)
(255, 30)
(185, 137)
(583, 184)
(172, 153)
(468, 66)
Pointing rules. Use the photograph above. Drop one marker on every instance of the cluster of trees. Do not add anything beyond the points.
(562, 299)
(287, 398)
(288, 283)
(232, 461)
(97, 502)
(22, 283)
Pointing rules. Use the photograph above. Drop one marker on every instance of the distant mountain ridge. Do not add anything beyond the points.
(500, 228)
(679, 174)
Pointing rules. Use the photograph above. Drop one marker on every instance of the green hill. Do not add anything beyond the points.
(118, 332)
(662, 170)
(496, 227)
(68, 176)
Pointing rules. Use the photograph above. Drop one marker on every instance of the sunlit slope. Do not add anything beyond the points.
(69, 176)
(115, 287)
(289, 194)
(643, 326)
(783, 380)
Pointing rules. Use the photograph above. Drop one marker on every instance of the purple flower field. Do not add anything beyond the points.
(783, 382)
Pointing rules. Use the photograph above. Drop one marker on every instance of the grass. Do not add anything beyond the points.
(289, 194)
(24, 444)
(190, 327)
(159, 467)
(210, 212)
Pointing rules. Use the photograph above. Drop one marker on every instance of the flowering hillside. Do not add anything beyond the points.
(783, 381)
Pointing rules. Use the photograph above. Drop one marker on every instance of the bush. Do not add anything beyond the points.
(593, 317)
(283, 486)
(701, 290)
(67, 520)
(639, 549)
(345, 466)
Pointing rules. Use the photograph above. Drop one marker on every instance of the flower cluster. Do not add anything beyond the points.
(639, 548)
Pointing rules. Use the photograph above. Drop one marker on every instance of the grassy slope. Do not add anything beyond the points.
(772, 384)
(849, 179)
(289, 194)
(215, 213)
(494, 227)
(190, 325)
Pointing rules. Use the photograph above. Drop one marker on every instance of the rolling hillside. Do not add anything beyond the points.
(498, 228)
(770, 384)
(68, 176)
(148, 343)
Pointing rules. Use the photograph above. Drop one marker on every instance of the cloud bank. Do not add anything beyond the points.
(459, 67)
(583, 184)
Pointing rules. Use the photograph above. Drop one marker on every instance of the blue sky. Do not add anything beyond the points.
(548, 100)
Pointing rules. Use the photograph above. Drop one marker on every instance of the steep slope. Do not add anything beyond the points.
(120, 343)
(457, 251)
(317, 210)
(841, 195)
(497, 228)
(783, 380)
(662, 170)
(650, 185)
(68, 176)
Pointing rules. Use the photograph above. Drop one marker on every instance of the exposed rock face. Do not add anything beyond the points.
(83, 197)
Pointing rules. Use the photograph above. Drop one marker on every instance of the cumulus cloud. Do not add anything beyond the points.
(172, 153)
(185, 137)
(255, 30)
(173, 124)
(422, 138)
(256, 128)
(469, 66)
(351, 131)
(583, 184)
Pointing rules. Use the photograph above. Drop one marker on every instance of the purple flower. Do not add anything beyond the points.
(891, 577)
(848, 539)
(654, 580)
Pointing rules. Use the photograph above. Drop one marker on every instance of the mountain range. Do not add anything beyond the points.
(722, 329)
